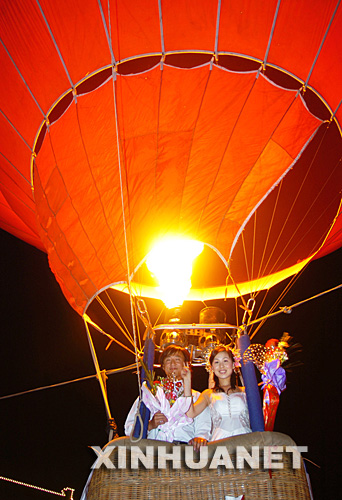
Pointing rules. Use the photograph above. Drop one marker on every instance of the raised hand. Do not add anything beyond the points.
(186, 376)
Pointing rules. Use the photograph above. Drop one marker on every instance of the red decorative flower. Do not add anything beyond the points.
(172, 390)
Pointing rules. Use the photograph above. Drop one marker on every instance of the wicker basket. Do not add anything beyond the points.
(217, 483)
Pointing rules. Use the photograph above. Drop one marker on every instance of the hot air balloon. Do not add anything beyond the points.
(123, 123)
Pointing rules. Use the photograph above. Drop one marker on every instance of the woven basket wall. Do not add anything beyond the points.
(210, 484)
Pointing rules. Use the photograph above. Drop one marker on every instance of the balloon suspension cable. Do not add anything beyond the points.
(125, 233)
(137, 432)
(249, 308)
(288, 309)
(101, 376)
(145, 318)
(314, 250)
(88, 377)
(111, 338)
(124, 330)
(229, 276)
(294, 278)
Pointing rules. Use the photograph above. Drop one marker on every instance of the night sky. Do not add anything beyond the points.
(45, 436)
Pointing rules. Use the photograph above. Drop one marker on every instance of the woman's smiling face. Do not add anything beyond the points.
(222, 365)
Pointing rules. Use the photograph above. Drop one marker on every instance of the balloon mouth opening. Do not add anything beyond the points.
(209, 280)
(207, 269)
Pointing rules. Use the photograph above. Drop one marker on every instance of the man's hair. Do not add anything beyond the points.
(174, 349)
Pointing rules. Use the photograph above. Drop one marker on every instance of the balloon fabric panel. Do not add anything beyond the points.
(246, 27)
(78, 165)
(199, 149)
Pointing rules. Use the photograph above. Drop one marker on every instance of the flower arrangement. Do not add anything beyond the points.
(261, 355)
(172, 388)
(268, 359)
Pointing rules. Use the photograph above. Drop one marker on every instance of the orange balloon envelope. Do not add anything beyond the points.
(122, 122)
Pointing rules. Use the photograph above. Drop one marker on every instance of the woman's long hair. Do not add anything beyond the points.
(214, 352)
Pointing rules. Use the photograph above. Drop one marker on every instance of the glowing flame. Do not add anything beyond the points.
(170, 261)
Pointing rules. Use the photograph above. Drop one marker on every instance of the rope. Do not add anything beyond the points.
(15, 130)
(220, 164)
(271, 34)
(117, 312)
(107, 372)
(277, 301)
(98, 372)
(111, 316)
(161, 30)
(267, 239)
(23, 79)
(112, 339)
(314, 249)
(236, 286)
(288, 309)
(218, 15)
(107, 29)
(64, 492)
(321, 45)
(55, 44)
(270, 227)
(125, 233)
(53, 243)
(290, 210)
(109, 40)
(95, 186)
(289, 167)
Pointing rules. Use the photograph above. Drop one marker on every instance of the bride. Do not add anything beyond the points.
(226, 401)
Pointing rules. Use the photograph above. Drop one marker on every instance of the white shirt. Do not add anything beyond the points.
(200, 427)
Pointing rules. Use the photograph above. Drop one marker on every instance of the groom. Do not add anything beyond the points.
(172, 360)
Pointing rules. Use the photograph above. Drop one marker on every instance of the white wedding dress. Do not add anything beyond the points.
(229, 415)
